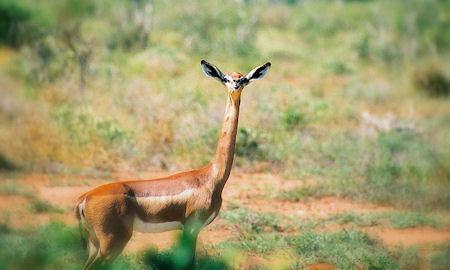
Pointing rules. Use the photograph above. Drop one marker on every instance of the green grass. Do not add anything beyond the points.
(11, 188)
(50, 247)
(440, 259)
(393, 219)
(344, 249)
(257, 243)
(253, 222)
(180, 256)
(393, 168)
(39, 206)
(303, 193)
(56, 246)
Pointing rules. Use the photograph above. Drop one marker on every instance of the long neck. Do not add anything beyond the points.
(223, 160)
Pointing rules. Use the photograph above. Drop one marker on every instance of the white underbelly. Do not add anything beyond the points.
(149, 227)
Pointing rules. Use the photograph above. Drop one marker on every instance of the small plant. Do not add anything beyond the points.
(5, 164)
(52, 246)
(293, 118)
(338, 68)
(413, 219)
(248, 144)
(249, 221)
(256, 242)
(346, 218)
(12, 188)
(362, 46)
(303, 193)
(432, 82)
(40, 206)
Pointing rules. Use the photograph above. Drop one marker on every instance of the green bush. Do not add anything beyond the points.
(180, 257)
(5, 164)
(13, 16)
(303, 193)
(83, 127)
(20, 24)
(53, 246)
(433, 82)
(248, 144)
(40, 206)
(293, 118)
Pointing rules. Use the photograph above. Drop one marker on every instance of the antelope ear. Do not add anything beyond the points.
(212, 71)
(258, 72)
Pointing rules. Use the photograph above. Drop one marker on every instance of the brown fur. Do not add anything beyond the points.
(110, 209)
(235, 75)
(109, 212)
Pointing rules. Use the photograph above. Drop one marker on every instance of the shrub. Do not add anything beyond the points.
(293, 118)
(20, 24)
(13, 16)
(338, 68)
(248, 144)
(249, 221)
(303, 193)
(362, 46)
(432, 82)
(39, 206)
(5, 164)
(181, 255)
(53, 246)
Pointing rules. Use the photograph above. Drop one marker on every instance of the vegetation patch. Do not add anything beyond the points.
(433, 82)
(39, 206)
(253, 222)
(440, 259)
(12, 188)
(393, 219)
(55, 246)
(303, 193)
(345, 249)
(5, 164)
(180, 257)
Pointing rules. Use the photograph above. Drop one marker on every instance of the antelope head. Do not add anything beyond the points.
(235, 81)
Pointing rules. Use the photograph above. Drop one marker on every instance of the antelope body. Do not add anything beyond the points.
(110, 213)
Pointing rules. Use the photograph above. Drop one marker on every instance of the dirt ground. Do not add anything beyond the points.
(249, 190)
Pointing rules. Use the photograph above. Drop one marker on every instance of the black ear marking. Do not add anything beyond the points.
(212, 71)
(258, 72)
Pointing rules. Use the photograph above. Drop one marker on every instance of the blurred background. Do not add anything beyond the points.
(342, 156)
